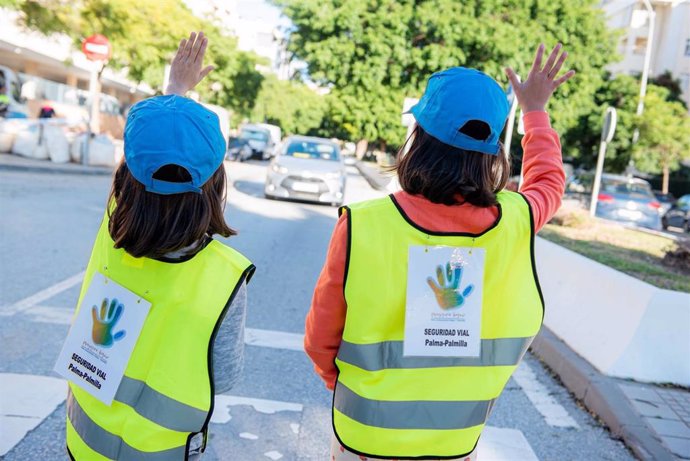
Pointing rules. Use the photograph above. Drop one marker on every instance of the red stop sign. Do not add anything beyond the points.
(96, 48)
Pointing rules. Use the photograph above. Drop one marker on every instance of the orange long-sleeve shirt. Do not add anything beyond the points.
(543, 186)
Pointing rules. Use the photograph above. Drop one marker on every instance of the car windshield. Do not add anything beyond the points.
(633, 189)
(254, 135)
(312, 150)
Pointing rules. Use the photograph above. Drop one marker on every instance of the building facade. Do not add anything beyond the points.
(670, 50)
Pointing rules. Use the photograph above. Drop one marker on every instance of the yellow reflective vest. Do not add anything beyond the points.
(165, 399)
(388, 405)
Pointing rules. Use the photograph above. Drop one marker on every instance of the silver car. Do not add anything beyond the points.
(307, 168)
(621, 198)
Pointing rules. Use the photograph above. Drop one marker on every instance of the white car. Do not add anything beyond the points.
(307, 168)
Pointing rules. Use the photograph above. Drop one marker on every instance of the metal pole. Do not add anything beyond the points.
(509, 127)
(597, 179)
(645, 68)
(94, 113)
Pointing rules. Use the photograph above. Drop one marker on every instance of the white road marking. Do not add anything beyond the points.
(499, 444)
(554, 414)
(295, 428)
(223, 402)
(25, 401)
(274, 455)
(50, 314)
(252, 336)
(274, 339)
(41, 296)
(248, 436)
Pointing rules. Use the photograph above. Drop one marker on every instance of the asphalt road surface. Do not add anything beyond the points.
(280, 409)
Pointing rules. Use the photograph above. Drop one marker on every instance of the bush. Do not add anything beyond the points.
(679, 257)
(572, 217)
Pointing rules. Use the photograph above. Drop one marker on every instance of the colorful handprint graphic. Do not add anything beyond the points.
(447, 290)
(104, 322)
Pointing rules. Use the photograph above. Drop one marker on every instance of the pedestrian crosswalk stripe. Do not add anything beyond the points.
(25, 401)
(553, 412)
(28, 399)
(41, 296)
(274, 339)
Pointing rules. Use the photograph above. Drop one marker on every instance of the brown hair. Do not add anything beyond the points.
(450, 175)
(152, 225)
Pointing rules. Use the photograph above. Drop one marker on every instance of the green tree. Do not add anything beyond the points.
(664, 136)
(620, 93)
(291, 105)
(373, 53)
(673, 85)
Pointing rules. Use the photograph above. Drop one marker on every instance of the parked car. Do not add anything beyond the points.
(254, 141)
(307, 168)
(665, 200)
(621, 198)
(239, 150)
(678, 215)
(276, 136)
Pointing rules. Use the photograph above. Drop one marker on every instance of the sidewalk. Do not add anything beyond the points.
(17, 163)
(653, 420)
(373, 175)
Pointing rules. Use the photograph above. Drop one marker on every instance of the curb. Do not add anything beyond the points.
(601, 395)
(46, 166)
(372, 176)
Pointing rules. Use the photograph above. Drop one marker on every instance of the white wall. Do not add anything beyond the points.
(621, 325)
(672, 30)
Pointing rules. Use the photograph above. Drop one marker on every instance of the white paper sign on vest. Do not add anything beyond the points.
(102, 338)
(444, 301)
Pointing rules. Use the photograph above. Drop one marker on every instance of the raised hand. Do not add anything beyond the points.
(185, 70)
(447, 290)
(104, 322)
(533, 93)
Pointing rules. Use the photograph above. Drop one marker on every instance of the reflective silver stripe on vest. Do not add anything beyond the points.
(110, 445)
(411, 414)
(159, 408)
(389, 354)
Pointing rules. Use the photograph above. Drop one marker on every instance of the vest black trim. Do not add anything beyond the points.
(533, 236)
(445, 234)
(245, 277)
(349, 244)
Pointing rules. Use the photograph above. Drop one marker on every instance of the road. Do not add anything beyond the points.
(280, 409)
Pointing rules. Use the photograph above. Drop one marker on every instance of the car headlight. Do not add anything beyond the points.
(279, 169)
(334, 175)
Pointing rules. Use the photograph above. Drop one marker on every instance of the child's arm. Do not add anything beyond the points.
(326, 319)
(544, 178)
(542, 164)
(185, 69)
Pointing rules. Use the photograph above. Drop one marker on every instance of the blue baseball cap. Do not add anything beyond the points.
(457, 96)
(172, 129)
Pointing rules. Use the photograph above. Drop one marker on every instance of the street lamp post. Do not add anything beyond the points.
(645, 68)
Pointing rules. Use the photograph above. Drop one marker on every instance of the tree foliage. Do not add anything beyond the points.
(373, 53)
(664, 135)
(620, 93)
(144, 36)
(673, 85)
(291, 105)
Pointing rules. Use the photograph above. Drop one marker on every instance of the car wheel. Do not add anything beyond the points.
(686, 226)
(664, 224)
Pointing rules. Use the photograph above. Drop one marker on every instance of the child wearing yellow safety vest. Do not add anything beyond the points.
(429, 297)
(156, 242)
